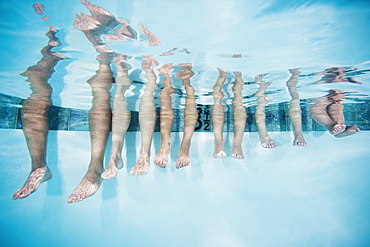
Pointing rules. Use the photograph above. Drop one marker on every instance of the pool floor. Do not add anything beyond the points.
(289, 196)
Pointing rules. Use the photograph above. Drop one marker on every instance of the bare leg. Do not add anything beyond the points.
(166, 116)
(147, 117)
(260, 115)
(218, 115)
(190, 115)
(120, 120)
(99, 125)
(35, 119)
(240, 116)
(295, 113)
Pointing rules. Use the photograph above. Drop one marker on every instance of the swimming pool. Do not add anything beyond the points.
(284, 195)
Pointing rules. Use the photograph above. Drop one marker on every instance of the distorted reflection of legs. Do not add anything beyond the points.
(121, 118)
(328, 112)
(260, 115)
(190, 115)
(147, 117)
(295, 113)
(100, 114)
(35, 119)
(166, 116)
(240, 116)
(218, 115)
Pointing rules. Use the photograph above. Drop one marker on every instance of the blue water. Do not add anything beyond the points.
(312, 196)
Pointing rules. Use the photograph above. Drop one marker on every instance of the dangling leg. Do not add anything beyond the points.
(218, 115)
(147, 118)
(260, 115)
(240, 116)
(166, 116)
(121, 118)
(190, 115)
(99, 125)
(35, 119)
(295, 113)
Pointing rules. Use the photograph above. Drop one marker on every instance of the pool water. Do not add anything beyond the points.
(315, 195)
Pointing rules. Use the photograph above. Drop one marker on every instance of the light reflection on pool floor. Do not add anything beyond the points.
(307, 196)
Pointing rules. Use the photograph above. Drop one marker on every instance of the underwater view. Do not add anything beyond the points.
(185, 123)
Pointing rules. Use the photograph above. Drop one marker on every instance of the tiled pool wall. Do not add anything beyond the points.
(277, 119)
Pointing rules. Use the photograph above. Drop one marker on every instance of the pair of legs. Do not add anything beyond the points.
(166, 116)
(260, 115)
(295, 113)
(328, 112)
(35, 119)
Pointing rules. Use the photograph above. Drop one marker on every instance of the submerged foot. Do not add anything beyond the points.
(141, 167)
(267, 142)
(182, 161)
(219, 154)
(114, 165)
(161, 158)
(237, 153)
(299, 142)
(87, 187)
(350, 130)
(338, 128)
(33, 181)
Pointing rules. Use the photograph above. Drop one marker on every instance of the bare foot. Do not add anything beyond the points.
(267, 142)
(338, 128)
(162, 157)
(299, 141)
(165, 68)
(114, 165)
(223, 73)
(148, 63)
(187, 73)
(220, 154)
(87, 187)
(182, 161)
(33, 181)
(295, 71)
(237, 152)
(237, 74)
(142, 166)
(350, 130)
(259, 77)
(219, 151)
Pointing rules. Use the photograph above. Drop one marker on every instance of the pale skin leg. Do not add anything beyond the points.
(166, 116)
(190, 115)
(218, 115)
(99, 125)
(295, 113)
(100, 114)
(147, 117)
(35, 119)
(121, 118)
(240, 116)
(260, 115)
